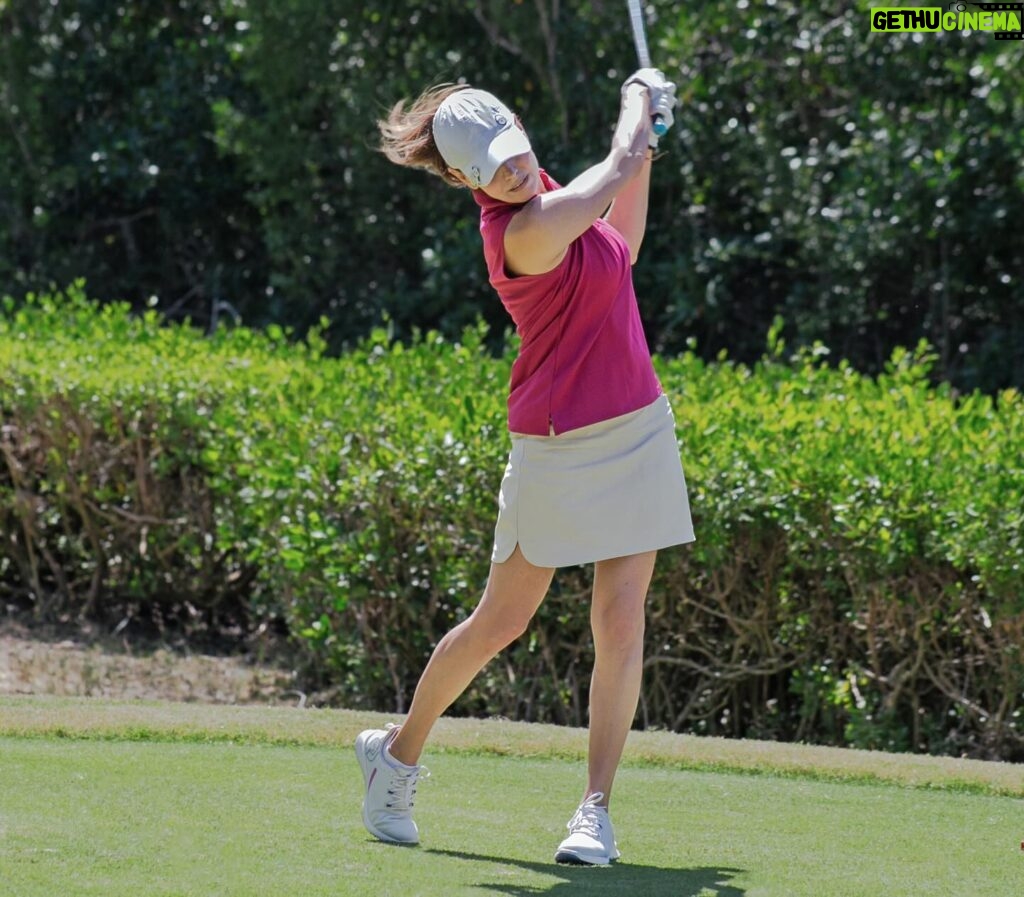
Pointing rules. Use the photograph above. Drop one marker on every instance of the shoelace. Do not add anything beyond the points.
(402, 787)
(589, 817)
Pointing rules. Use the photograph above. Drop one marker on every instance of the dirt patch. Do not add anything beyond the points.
(86, 665)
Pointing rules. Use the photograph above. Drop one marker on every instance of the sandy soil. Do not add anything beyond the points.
(77, 665)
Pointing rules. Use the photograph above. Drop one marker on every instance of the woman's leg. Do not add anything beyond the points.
(513, 593)
(617, 622)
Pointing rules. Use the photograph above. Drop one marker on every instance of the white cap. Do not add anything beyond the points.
(475, 132)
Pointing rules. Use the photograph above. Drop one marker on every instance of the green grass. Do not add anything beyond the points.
(256, 801)
(33, 717)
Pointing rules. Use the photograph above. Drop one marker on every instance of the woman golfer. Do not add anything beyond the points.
(593, 474)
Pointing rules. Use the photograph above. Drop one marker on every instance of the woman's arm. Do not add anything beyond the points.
(538, 237)
(628, 214)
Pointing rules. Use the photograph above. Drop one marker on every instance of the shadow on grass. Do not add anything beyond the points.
(620, 879)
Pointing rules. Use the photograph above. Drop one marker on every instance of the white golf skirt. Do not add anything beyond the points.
(611, 489)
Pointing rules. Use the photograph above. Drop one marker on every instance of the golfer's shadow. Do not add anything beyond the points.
(620, 880)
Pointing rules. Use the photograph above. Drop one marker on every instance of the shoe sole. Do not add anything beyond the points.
(370, 827)
(380, 836)
(569, 858)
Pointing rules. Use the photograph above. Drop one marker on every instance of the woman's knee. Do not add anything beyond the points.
(513, 593)
(496, 631)
(620, 597)
(619, 622)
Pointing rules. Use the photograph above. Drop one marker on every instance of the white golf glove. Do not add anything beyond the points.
(662, 93)
(652, 79)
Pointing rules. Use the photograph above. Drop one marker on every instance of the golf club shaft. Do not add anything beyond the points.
(643, 53)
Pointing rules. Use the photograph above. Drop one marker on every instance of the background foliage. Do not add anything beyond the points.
(857, 579)
(218, 155)
(858, 576)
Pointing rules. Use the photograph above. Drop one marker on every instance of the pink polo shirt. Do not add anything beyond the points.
(583, 356)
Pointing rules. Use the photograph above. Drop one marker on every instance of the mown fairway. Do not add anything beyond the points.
(159, 816)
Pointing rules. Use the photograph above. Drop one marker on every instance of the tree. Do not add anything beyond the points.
(220, 155)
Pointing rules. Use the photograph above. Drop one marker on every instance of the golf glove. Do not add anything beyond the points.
(662, 93)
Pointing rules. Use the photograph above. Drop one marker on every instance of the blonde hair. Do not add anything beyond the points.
(407, 134)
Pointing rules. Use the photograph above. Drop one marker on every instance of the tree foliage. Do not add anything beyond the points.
(219, 155)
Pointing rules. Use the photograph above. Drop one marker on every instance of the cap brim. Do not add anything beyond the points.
(510, 142)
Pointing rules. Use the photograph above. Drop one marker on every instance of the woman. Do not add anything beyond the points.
(594, 474)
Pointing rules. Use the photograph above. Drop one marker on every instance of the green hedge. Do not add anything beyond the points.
(858, 577)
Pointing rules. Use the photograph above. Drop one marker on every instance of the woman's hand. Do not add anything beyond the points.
(662, 98)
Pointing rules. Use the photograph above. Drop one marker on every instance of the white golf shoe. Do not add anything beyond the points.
(591, 839)
(390, 788)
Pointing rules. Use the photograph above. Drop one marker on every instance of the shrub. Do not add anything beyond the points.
(857, 578)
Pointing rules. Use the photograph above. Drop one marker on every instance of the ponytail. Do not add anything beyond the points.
(407, 135)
